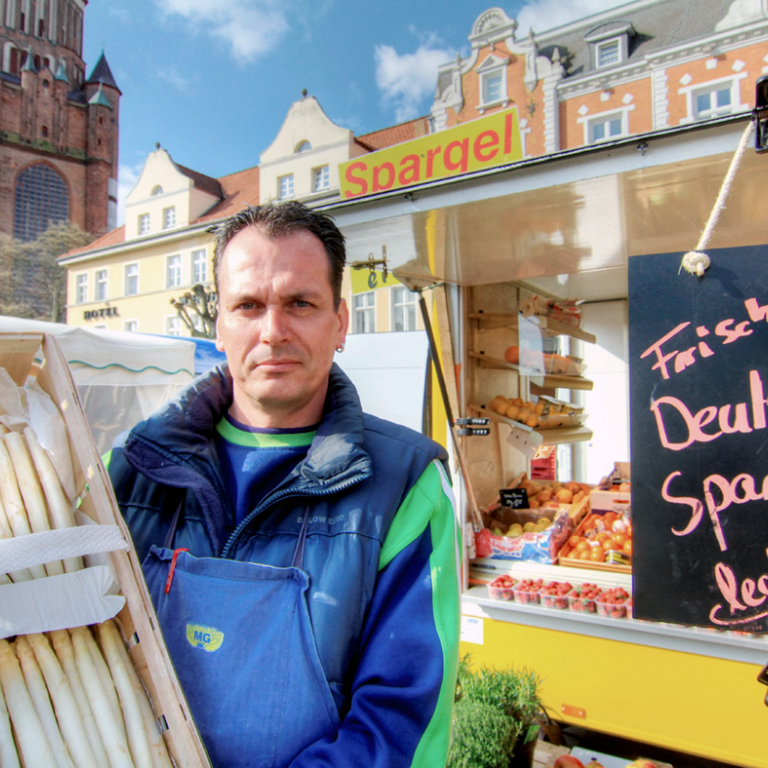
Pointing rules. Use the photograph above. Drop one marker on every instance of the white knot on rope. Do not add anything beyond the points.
(696, 262)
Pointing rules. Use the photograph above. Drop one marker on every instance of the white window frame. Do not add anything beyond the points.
(199, 275)
(693, 90)
(590, 121)
(364, 312)
(101, 285)
(128, 278)
(81, 288)
(169, 217)
(491, 68)
(321, 179)
(143, 224)
(131, 326)
(285, 187)
(405, 308)
(613, 43)
(172, 325)
(173, 271)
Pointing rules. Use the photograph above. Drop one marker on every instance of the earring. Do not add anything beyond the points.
(340, 348)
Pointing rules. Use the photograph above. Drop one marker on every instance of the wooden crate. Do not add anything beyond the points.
(147, 647)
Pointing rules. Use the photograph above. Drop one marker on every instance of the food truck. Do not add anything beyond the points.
(587, 378)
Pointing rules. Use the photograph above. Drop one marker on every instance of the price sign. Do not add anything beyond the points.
(699, 438)
(517, 498)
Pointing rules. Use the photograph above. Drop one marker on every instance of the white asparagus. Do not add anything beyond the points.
(61, 512)
(5, 526)
(12, 503)
(138, 740)
(62, 645)
(112, 733)
(13, 576)
(100, 665)
(64, 703)
(31, 491)
(41, 701)
(152, 728)
(9, 757)
(31, 740)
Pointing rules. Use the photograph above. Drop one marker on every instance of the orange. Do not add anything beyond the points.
(597, 555)
(627, 547)
(583, 546)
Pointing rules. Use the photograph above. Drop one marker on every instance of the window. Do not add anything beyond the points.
(492, 83)
(173, 325)
(320, 179)
(364, 312)
(169, 217)
(608, 53)
(712, 101)
(173, 271)
(285, 186)
(101, 285)
(41, 199)
(132, 326)
(131, 279)
(199, 266)
(143, 223)
(403, 309)
(156, 190)
(303, 146)
(606, 127)
(81, 290)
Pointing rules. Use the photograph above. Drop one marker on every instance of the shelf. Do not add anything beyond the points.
(549, 380)
(538, 436)
(549, 327)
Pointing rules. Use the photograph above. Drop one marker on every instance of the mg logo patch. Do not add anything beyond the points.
(207, 638)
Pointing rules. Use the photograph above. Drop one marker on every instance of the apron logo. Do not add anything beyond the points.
(207, 638)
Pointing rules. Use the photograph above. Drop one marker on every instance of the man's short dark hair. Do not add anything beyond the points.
(277, 220)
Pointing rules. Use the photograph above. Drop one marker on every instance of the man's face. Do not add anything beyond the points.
(277, 327)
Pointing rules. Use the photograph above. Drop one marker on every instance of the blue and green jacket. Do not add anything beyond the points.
(382, 553)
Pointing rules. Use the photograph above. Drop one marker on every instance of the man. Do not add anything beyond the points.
(302, 555)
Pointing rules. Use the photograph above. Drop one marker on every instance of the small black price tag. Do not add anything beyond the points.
(517, 498)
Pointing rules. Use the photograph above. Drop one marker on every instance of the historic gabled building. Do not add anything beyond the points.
(58, 129)
(644, 66)
(126, 279)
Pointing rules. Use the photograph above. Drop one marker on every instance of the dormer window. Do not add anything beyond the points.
(609, 43)
(303, 146)
(156, 190)
(493, 82)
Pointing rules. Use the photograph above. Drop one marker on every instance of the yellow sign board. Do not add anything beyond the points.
(364, 280)
(487, 142)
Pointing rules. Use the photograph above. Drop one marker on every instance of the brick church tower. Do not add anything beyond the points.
(58, 130)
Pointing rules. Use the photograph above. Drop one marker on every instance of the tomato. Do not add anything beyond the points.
(627, 547)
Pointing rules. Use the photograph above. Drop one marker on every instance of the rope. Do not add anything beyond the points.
(697, 262)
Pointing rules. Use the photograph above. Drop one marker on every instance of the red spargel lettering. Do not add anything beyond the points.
(410, 170)
(377, 172)
(508, 134)
(486, 147)
(431, 155)
(755, 311)
(356, 180)
(463, 162)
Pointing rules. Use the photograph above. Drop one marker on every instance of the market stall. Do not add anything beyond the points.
(535, 274)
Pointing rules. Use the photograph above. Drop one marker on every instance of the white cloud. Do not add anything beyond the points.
(541, 15)
(175, 78)
(406, 80)
(251, 28)
(127, 176)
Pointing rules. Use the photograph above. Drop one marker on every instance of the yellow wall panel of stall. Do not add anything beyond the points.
(682, 701)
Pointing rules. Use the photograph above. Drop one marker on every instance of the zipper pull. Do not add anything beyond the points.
(173, 568)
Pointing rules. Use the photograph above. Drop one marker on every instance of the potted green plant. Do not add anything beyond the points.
(495, 722)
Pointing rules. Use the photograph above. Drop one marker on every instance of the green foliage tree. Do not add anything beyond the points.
(197, 310)
(32, 282)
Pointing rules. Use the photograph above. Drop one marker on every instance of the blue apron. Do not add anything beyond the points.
(241, 641)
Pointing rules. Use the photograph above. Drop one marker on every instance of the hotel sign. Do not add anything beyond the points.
(100, 314)
(487, 142)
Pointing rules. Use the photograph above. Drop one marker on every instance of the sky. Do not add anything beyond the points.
(212, 80)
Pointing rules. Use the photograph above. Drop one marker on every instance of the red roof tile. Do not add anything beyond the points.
(113, 237)
(201, 181)
(395, 134)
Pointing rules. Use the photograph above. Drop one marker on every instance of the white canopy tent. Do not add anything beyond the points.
(121, 377)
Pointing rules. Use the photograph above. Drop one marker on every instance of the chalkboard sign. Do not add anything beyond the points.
(699, 439)
(517, 498)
